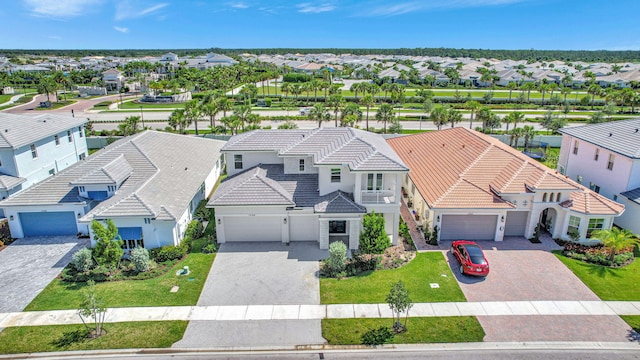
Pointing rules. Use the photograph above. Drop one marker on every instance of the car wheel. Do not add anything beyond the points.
(461, 269)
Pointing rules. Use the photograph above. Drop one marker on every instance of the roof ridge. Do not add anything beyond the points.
(515, 174)
(270, 183)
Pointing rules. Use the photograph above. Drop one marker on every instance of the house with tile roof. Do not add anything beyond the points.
(472, 186)
(307, 185)
(33, 148)
(606, 158)
(149, 184)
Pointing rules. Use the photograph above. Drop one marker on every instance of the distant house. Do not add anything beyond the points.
(169, 57)
(149, 184)
(606, 158)
(472, 186)
(33, 148)
(113, 79)
(307, 185)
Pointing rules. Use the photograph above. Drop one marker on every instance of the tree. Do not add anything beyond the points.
(453, 116)
(488, 118)
(515, 135)
(130, 125)
(351, 111)
(615, 239)
(399, 301)
(528, 86)
(92, 307)
(192, 113)
(594, 89)
(473, 106)
(596, 118)
(177, 120)
(210, 109)
(224, 105)
(385, 114)
(439, 116)
(552, 122)
(513, 118)
(336, 103)
(511, 86)
(367, 101)
(373, 238)
(108, 250)
(528, 132)
(319, 113)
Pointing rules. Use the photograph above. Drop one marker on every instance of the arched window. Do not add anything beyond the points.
(544, 197)
(558, 197)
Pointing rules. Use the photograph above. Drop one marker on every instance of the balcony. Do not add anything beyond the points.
(379, 197)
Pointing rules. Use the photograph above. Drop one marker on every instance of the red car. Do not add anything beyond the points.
(470, 257)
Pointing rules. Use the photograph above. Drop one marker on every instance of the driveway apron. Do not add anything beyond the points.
(260, 274)
(28, 265)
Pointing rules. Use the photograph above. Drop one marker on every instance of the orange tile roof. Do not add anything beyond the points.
(462, 168)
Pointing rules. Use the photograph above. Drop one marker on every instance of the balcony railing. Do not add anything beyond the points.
(378, 197)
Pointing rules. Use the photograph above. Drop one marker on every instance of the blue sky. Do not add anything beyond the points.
(170, 24)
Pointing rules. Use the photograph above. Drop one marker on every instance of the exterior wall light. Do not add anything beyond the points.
(219, 221)
(285, 221)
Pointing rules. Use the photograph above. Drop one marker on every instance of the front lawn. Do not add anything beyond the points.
(608, 283)
(633, 321)
(59, 295)
(373, 286)
(126, 335)
(420, 330)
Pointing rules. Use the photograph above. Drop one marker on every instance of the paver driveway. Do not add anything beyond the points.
(524, 271)
(260, 274)
(28, 265)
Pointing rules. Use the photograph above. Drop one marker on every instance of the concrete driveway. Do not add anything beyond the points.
(260, 274)
(522, 271)
(28, 265)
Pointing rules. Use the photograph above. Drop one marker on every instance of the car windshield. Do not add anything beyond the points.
(475, 253)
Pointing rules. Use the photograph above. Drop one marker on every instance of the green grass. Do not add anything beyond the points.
(373, 287)
(125, 335)
(607, 283)
(5, 98)
(60, 295)
(419, 330)
(633, 321)
(134, 105)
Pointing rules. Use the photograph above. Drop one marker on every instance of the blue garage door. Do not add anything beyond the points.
(48, 223)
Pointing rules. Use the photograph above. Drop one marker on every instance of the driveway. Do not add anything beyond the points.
(260, 274)
(28, 265)
(522, 271)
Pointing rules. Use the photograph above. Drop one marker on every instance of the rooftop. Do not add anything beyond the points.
(622, 137)
(19, 130)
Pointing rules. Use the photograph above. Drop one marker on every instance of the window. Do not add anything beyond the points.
(34, 151)
(301, 165)
(594, 187)
(562, 170)
(610, 163)
(558, 197)
(335, 175)
(337, 227)
(615, 197)
(575, 147)
(52, 171)
(574, 225)
(80, 131)
(237, 160)
(82, 156)
(147, 220)
(132, 244)
(544, 197)
(594, 224)
(374, 182)
(69, 136)
(579, 179)
(81, 189)
(57, 140)
(597, 155)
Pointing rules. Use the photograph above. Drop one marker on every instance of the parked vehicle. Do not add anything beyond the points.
(304, 111)
(471, 258)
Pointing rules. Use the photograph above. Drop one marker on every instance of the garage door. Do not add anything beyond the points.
(304, 228)
(252, 228)
(468, 227)
(515, 223)
(48, 223)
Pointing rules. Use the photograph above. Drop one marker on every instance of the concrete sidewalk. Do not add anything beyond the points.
(337, 311)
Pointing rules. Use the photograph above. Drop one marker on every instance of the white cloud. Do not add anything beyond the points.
(413, 6)
(60, 8)
(239, 5)
(54, 37)
(125, 10)
(123, 30)
(309, 8)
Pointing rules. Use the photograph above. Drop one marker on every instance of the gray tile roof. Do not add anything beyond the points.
(8, 182)
(633, 195)
(360, 150)
(20, 130)
(269, 185)
(113, 173)
(622, 137)
(168, 170)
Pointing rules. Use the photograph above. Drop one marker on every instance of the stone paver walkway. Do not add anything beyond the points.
(335, 311)
(416, 234)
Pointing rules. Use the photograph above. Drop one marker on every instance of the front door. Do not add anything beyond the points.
(337, 227)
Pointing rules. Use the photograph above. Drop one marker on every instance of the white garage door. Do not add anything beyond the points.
(515, 223)
(252, 228)
(468, 227)
(303, 228)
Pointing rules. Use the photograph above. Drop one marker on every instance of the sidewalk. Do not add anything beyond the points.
(336, 311)
(12, 100)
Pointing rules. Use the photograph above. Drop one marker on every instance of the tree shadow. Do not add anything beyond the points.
(69, 338)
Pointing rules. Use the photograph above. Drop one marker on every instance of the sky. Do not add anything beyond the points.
(191, 24)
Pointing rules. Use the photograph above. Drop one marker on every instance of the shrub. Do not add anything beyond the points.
(187, 242)
(168, 253)
(210, 248)
(373, 238)
(202, 213)
(337, 262)
(360, 263)
(139, 257)
(194, 229)
(82, 260)
(377, 336)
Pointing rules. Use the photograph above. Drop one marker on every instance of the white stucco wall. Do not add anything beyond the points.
(251, 159)
(630, 219)
(292, 165)
(156, 234)
(346, 184)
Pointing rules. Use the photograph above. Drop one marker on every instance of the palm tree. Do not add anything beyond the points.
(516, 134)
(453, 116)
(594, 89)
(285, 88)
(528, 132)
(353, 111)
(615, 240)
(176, 120)
(319, 113)
(192, 113)
(508, 120)
(565, 90)
(528, 86)
(485, 115)
(543, 88)
(224, 105)
(367, 101)
(242, 112)
(473, 106)
(385, 114)
(517, 118)
(336, 103)
(511, 86)
(315, 86)
(356, 87)
(325, 86)
(210, 109)
(439, 116)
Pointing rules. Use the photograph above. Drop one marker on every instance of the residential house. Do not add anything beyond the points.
(33, 148)
(307, 185)
(113, 79)
(606, 158)
(149, 184)
(472, 186)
